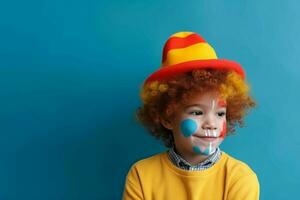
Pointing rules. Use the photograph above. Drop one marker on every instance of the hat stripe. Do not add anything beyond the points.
(182, 34)
(199, 51)
(181, 42)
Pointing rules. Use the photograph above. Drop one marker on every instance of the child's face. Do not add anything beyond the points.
(199, 126)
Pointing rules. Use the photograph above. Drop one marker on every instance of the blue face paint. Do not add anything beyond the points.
(188, 127)
(197, 150)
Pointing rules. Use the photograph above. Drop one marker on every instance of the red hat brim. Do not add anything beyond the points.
(221, 64)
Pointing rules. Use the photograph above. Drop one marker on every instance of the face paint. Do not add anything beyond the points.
(222, 103)
(205, 134)
(205, 141)
(188, 127)
(206, 152)
(224, 131)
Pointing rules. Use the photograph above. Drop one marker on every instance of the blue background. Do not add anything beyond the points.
(70, 73)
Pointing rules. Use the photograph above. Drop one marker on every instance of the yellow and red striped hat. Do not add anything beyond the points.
(186, 51)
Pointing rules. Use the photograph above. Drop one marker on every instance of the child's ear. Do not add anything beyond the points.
(166, 123)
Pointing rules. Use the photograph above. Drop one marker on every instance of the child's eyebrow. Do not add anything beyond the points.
(194, 105)
(201, 106)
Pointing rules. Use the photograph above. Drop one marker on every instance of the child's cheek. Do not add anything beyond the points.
(224, 130)
(188, 127)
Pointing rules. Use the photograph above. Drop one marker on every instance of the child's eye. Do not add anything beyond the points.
(196, 113)
(221, 114)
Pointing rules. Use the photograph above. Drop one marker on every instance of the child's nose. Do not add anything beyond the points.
(209, 126)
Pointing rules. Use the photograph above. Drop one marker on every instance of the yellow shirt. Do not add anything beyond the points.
(157, 178)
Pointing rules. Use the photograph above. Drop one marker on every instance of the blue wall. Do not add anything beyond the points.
(70, 73)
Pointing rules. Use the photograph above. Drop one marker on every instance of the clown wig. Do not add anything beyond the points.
(160, 99)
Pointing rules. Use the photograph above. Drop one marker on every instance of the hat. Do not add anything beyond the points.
(187, 51)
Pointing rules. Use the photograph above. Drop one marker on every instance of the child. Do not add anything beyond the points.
(192, 103)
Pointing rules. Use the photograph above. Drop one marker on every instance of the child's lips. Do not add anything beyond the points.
(206, 138)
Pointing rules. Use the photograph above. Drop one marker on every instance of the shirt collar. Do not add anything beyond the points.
(182, 163)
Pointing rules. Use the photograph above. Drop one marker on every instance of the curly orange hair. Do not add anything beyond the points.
(162, 98)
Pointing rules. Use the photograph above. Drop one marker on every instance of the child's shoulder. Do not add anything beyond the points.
(150, 159)
(237, 166)
(149, 162)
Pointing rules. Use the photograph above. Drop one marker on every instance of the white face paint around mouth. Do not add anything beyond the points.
(211, 133)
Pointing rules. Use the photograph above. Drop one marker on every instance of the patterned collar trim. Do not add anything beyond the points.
(183, 164)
